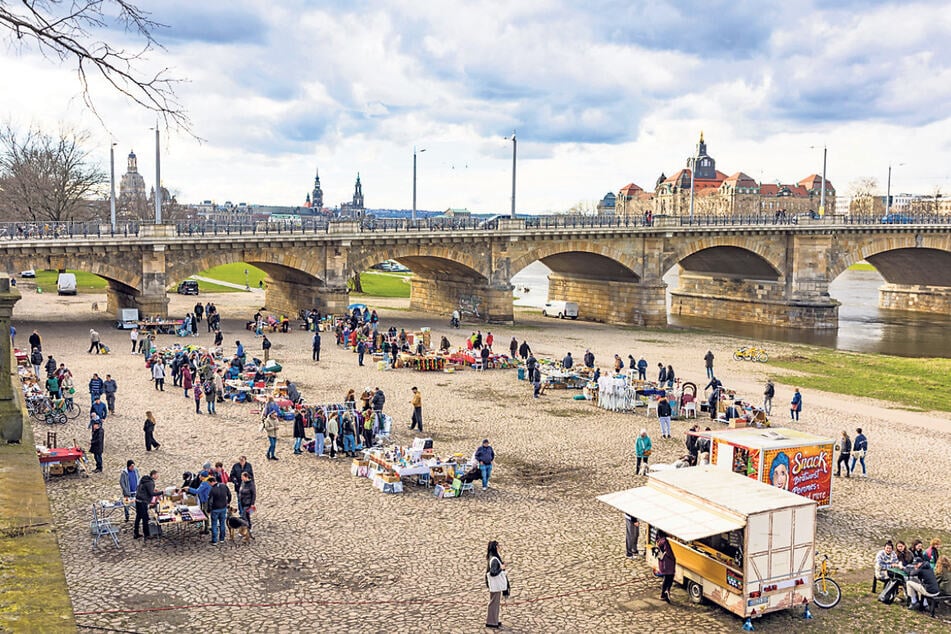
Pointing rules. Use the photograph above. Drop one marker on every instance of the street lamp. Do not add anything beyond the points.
(112, 186)
(888, 192)
(692, 164)
(514, 148)
(158, 179)
(414, 180)
(822, 195)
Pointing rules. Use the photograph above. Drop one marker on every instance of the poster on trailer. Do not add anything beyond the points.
(805, 470)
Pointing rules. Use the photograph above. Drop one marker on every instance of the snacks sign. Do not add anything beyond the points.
(805, 471)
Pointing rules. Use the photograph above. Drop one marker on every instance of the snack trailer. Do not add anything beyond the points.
(789, 459)
(739, 543)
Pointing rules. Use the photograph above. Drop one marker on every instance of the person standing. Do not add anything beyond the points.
(859, 448)
(94, 342)
(270, 426)
(795, 405)
(149, 429)
(218, 501)
(53, 387)
(109, 388)
(708, 362)
(378, 400)
(13, 336)
(485, 456)
(347, 431)
(199, 310)
(666, 565)
(143, 497)
(489, 340)
(496, 580)
(632, 534)
(237, 469)
(197, 394)
(567, 362)
(714, 386)
(670, 377)
(96, 443)
(333, 431)
(299, 432)
(315, 347)
(186, 377)
(158, 374)
(361, 350)
(642, 451)
(134, 338)
(663, 416)
(845, 453)
(588, 359)
(768, 395)
(219, 338)
(319, 423)
(266, 346)
(99, 409)
(35, 342)
(128, 482)
(513, 348)
(36, 360)
(661, 375)
(50, 365)
(247, 497)
(417, 403)
(95, 388)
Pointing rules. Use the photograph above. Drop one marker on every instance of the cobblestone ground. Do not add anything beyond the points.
(333, 554)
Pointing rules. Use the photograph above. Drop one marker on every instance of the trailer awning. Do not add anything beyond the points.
(676, 516)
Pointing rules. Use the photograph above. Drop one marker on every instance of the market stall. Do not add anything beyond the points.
(789, 459)
(160, 326)
(176, 509)
(387, 467)
(57, 461)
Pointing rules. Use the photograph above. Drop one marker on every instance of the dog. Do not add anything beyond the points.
(238, 525)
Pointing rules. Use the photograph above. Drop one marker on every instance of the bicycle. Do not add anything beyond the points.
(50, 412)
(751, 353)
(825, 590)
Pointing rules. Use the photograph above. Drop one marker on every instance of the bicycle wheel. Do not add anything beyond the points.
(73, 412)
(38, 415)
(826, 593)
(737, 355)
(762, 356)
(59, 418)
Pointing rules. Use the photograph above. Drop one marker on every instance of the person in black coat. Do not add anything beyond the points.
(242, 466)
(96, 444)
(143, 497)
(247, 497)
(298, 431)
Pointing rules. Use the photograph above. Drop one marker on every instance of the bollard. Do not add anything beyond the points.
(748, 625)
(807, 614)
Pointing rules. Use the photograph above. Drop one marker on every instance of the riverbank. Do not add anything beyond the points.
(325, 538)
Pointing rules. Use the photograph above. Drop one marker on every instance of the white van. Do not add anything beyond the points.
(560, 309)
(66, 284)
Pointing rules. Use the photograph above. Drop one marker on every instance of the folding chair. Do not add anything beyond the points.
(101, 527)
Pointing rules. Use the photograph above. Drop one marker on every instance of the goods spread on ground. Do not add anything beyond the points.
(386, 467)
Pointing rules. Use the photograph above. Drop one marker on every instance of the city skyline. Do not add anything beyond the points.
(601, 96)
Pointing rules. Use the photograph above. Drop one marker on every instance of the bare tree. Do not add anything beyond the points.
(863, 187)
(47, 179)
(64, 30)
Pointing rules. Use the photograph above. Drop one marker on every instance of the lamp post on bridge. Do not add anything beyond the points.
(413, 217)
(692, 164)
(514, 149)
(112, 186)
(888, 191)
(158, 178)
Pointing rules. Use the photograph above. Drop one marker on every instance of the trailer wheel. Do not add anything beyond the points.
(695, 591)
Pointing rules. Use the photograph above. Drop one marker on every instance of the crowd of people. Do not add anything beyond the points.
(925, 573)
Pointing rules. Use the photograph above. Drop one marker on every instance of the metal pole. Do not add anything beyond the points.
(112, 185)
(158, 179)
(822, 195)
(888, 192)
(514, 148)
(413, 217)
(693, 164)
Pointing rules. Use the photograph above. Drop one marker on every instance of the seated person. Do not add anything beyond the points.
(943, 573)
(443, 345)
(259, 376)
(921, 580)
(903, 554)
(885, 559)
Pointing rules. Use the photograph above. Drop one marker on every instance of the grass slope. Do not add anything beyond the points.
(383, 284)
(85, 282)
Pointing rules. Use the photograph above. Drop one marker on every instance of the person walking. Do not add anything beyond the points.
(642, 451)
(361, 350)
(513, 348)
(845, 453)
(496, 580)
(128, 482)
(485, 456)
(299, 432)
(186, 377)
(158, 374)
(417, 403)
(109, 388)
(199, 311)
(666, 565)
(218, 501)
(96, 443)
(315, 347)
(333, 432)
(266, 346)
(319, 423)
(642, 369)
(35, 341)
(143, 497)
(270, 427)
(36, 360)
(197, 394)
(768, 395)
(94, 342)
(670, 377)
(664, 412)
(247, 497)
(795, 405)
(95, 388)
(149, 428)
(631, 536)
(134, 338)
(237, 469)
(708, 362)
(859, 449)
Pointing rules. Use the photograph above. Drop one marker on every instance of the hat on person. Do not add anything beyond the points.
(485, 441)
(206, 467)
(129, 463)
(203, 474)
(413, 388)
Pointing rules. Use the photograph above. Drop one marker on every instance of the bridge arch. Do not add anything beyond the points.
(297, 266)
(730, 256)
(428, 261)
(579, 258)
(907, 259)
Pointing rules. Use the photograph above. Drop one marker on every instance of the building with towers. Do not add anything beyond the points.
(354, 208)
(315, 199)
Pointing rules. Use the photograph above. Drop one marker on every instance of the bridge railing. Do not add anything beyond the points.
(64, 230)
(306, 226)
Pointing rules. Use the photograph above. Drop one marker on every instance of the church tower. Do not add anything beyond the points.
(317, 196)
(358, 195)
(704, 167)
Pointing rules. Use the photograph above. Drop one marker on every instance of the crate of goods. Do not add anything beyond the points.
(358, 468)
(393, 487)
(56, 469)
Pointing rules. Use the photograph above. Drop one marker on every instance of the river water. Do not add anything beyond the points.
(863, 326)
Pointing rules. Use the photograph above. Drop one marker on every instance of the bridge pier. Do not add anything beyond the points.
(11, 410)
(289, 297)
(490, 303)
(612, 301)
(750, 301)
(915, 298)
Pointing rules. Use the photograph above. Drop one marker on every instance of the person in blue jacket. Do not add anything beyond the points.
(795, 406)
(202, 491)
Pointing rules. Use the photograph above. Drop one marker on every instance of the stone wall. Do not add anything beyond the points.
(611, 302)
(441, 297)
(924, 299)
(287, 297)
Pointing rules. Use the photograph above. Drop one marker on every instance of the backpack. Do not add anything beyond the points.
(208, 387)
(888, 594)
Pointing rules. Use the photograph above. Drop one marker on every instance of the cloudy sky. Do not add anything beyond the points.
(601, 93)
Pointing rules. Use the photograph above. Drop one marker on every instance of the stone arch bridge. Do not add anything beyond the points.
(762, 273)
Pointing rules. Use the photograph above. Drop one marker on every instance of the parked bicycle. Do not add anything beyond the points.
(751, 353)
(52, 411)
(825, 591)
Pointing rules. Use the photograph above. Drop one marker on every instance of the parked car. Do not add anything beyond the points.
(28, 273)
(897, 219)
(188, 287)
(560, 309)
(66, 284)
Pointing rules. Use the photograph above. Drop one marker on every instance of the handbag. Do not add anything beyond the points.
(498, 583)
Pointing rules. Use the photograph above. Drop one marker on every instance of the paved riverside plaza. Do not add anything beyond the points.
(334, 554)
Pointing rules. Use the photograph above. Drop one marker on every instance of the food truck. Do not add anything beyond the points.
(739, 543)
(786, 458)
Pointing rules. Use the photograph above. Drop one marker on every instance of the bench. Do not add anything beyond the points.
(933, 599)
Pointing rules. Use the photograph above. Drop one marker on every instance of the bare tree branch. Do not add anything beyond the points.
(64, 29)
